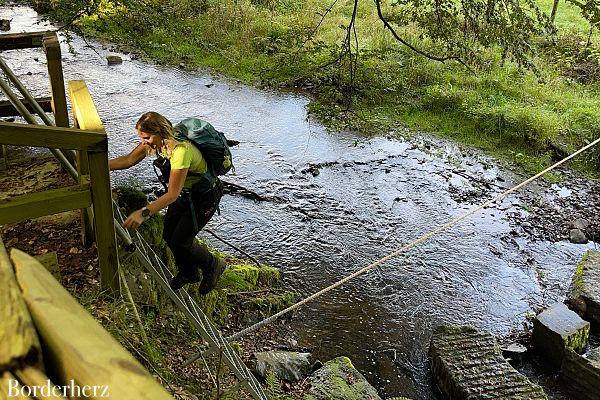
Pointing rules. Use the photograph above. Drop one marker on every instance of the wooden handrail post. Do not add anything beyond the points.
(106, 240)
(57, 82)
(87, 118)
(87, 214)
(3, 157)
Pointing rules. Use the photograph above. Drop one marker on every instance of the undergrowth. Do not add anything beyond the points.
(501, 108)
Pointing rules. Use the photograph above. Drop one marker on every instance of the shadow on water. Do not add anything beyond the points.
(338, 201)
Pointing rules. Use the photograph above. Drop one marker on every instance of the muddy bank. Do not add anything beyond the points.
(337, 201)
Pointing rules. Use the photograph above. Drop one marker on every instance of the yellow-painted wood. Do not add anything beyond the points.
(84, 109)
(87, 118)
(19, 343)
(5, 387)
(51, 137)
(31, 377)
(77, 346)
(57, 82)
(33, 205)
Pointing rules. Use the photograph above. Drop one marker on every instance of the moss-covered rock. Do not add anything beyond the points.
(339, 380)
(584, 293)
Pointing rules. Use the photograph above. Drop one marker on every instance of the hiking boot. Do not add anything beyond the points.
(180, 280)
(212, 275)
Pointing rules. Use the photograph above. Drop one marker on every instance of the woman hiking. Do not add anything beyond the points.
(189, 208)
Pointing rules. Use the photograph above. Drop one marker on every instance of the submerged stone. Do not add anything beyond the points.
(468, 364)
(557, 329)
(287, 365)
(582, 374)
(584, 293)
(577, 236)
(114, 60)
(337, 379)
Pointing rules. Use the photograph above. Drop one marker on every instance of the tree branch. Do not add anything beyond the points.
(442, 59)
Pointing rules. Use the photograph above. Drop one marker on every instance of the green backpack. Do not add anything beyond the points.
(213, 146)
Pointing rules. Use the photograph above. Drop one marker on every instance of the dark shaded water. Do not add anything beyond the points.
(337, 202)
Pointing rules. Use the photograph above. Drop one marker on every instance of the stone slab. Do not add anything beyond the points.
(584, 293)
(556, 329)
(468, 364)
(287, 365)
(582, 374)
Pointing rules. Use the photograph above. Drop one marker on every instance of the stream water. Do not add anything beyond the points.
(337, 201)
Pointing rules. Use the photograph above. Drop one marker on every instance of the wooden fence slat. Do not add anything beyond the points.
(84, 110)
(5, 385)
(8, 110)
(18, 340)
(30, 376)
(14, 41)
(57, 81)
(86, 116)
(51, 137)
(78, 347)
(54, 201)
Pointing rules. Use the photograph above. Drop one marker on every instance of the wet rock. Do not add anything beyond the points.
(581, 224)
(582, 374)
(557, 329)
(209, 85)
(577, 236)
(584, 293)
(467, 364)
(339, 380)
(114, 60)
(514, 353)
(287, 365)
(5, 25)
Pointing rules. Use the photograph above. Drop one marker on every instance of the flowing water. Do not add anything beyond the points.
(337, 201)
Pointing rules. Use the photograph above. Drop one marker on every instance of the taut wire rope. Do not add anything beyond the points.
(401, 250)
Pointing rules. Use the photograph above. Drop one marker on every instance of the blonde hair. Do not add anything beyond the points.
(154, 123)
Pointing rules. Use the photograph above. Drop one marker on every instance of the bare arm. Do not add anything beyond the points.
(123, 162)
(176, 181)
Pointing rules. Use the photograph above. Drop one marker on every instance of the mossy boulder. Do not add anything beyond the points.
(339, 380)
(584, 293)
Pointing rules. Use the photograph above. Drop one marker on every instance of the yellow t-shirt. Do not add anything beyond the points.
(186, 155)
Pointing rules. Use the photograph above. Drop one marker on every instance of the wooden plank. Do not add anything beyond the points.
(57, 81)
(33, 377)
(13, 41)
(50, 262)
(78, 347)
(87, 118)
(48, 202)
(84, 109)
(18, 340)
(7, 380)
(104, 222)
(51, 137)
(8, 110)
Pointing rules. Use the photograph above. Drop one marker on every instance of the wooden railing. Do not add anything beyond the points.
(34, 309)
(92, 192)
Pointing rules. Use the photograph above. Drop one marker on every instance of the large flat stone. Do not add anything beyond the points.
(582, 374)
(556, 329)
(584, 294)
(287, 365)
(468, 364)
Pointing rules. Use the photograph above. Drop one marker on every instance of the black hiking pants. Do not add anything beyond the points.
(180, 230)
